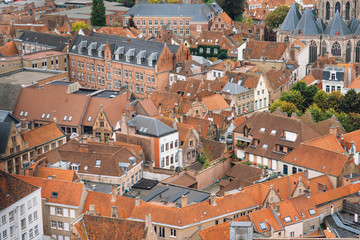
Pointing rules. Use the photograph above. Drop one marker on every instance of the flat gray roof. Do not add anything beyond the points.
(25, 78)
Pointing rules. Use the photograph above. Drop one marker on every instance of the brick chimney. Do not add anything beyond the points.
(114, 212)
(184, 201)
(113, 193)
(92, 210)
(23, 126)
(137, 201)
(333, 130)
(213, 199)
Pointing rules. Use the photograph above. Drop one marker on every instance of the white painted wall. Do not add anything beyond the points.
(168, 139)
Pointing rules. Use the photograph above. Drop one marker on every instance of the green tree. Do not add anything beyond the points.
(294, 96)
(127, 3)
(288, 108)
(276, 17)
(335, 99)
(321, 99)
(234, 8)
(350, 102)
(98, 17)
(316, 113)
(154, 1)
(78, 26)
(277, 104)
(308, 92)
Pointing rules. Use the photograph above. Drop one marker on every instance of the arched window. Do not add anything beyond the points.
(337, 7)
(327, 15)
(355, 5)
(348, 52)
(336, 49)
(347, 11)
(357, 52)
(323, 48)
(313, 52)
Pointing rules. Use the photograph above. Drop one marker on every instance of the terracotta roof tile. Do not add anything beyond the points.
(318, 159)
(265, 50)
(166, 100)
(120, 31)
(13, 189)
(355, 84)
(334, 194)
(308, 79)
(9, 49)
(197, 123)
(277, 79)
(215, 102)
(323, 127)
(184, 180)
(219, 232)
(328, 142)
(68, 193)
(60, 174)
(240, 120)
(149, 107)
(42, 134)
(267, 217)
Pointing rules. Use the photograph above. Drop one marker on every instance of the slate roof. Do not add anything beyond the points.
(5, 128)
(353, 24)
(233, 88)
(321, 24)
(6, 116)
(291, 20)
(337, 26)
(56, 41)
(116, 43)
(9, 94)
(198, 12)
(339, 72)
(13, 189)
(150, 126)
(307, 24)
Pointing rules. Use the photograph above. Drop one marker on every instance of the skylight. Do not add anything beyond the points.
(262, 226)
(265, 146)
(21, 113)
(287, 219)
(312, 212)
(273, 132)
(48, 116)
(89, 119)
(98, 163)
(65, 117)
(70, 118)
(302, 214)
(54, 195)
(26, 113)
(262, 129)
(296, 218)
(85, 168)
(43, 115)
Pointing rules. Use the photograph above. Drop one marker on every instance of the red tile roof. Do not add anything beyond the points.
(60, 174)
(265, 50)
(42, 134)
(215, 102)
(68, 193)
(9, 49)
(328, 142)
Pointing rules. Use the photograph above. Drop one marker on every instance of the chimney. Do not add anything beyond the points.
(53, 177)
(24, 126)
(213, 199)
(276, 209)
(148, 223)
(92, 210)
(333, 130)
(114, 212)
(184, 201)
(199, 129)
(159, 108)
(137, 201)
(54, 118)
(113, 193)
(306, 174)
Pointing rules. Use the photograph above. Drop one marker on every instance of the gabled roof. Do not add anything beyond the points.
(56, 41)
(57, 191)
(9, 94)
(307, 24)
(337, 26)
(265, 50)
(150, 126)
(5, 128)
(355, 84)
(215, 102)
(13, 189)
(266, 219)
(308, 79)
(318, 159)
(42, 134)
(233, 88)
(92, 227)
(60, 174)
(278, 79)
(291, 20)
(353, 24)
(321, 24)
(328, 142)
(334, 194)
(199, 124)
(149, 107)
(9, 49)
(166, 100)
(323, 127)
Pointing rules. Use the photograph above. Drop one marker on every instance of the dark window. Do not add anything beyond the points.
(337, 7)
(327, 15)
(347, 11)
(285, 170)
(336, 49)
(357, 52)
(348, 52)
(294, 170)
(313, 52)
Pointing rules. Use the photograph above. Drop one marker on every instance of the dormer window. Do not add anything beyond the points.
(75, 167)
(152, 58)
(54, 195)
(290, 136)
(91, 47)
(262, 129)
(101, 50)
(127, 58)
(273, 132)
(130, 54)
(287, 219)
(262, 226)
(98, 163)
(141, 56)
(119, 52)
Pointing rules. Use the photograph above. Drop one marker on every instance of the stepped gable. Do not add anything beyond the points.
(307, 24)
(291, 20)
(337, 26)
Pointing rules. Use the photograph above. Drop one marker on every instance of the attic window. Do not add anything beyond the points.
(48, 116)
(70, 118)
(65, 117)
(273, 132)
(26, 113)
(98, 163)
(262, 226)
(21, 113)
(188, 94)
(265, 146)
(312, 212)
(287, 219)
(262, 129)
(43, 115)
(54, 195)
(89, 119)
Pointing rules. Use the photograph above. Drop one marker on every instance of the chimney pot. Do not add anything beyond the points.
(184, 201)
(137, 201)
(113, 193)
(213, 199)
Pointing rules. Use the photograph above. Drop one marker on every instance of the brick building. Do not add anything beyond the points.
(184, 19)
(111, 62)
